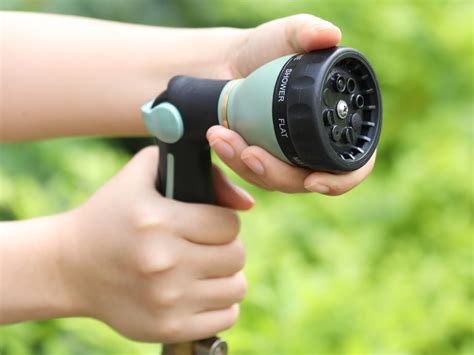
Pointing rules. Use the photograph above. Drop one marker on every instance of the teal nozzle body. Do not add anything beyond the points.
(245, 106)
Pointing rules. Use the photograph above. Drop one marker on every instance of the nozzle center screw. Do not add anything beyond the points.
(342, 109)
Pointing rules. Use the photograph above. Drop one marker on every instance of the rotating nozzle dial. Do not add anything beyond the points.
(332, 110)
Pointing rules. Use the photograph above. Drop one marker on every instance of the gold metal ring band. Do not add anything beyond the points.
(225, 100)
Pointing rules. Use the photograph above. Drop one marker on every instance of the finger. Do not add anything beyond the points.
(220, 293)
(217, 260)
(254, 164)
(315, 34)
(294, 34)
(201, 223)
(274, 173)
(206, 324)
(337, 184)
(230, 195)
(142, 168)
(229, 146)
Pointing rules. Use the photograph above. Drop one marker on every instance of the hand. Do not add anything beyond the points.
(255, 47)
(153, 268)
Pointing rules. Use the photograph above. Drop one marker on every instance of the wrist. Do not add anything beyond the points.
(67, 265)
(33, 285)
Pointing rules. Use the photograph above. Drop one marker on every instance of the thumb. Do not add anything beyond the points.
(304, 33)
(293, 34)
(141, 170)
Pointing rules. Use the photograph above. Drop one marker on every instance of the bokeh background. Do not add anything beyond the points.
(385, 269)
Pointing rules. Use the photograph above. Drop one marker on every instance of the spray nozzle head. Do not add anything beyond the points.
(319, 110)
(332, 109)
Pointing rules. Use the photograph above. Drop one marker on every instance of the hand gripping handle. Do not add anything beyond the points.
(179, 118)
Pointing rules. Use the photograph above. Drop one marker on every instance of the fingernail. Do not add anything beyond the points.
(316, 187)
(223, 149)
(254, 164)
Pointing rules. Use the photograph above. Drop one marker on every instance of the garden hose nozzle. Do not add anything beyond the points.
(320, 110)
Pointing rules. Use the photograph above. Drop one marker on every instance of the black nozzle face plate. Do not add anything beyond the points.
(349, 104)
(333, 109)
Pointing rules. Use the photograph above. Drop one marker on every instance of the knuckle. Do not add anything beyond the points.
(277, 183)
(168, 297)
(169, 329)
(153, 260)
(267, 185)
(284, 186)
(143, 217)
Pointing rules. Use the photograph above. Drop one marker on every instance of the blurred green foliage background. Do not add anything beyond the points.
(385, 269)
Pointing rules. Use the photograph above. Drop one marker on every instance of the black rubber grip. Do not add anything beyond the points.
(192, 176)
(197, 101)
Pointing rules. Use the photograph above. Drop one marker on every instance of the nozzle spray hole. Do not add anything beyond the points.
(336, 133)
(339, 83)
(351, 85)
(358, 101)
(348, 135)
(328, 117)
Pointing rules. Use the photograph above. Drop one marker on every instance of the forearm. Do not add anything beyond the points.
(32, 284)
(64, 76)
